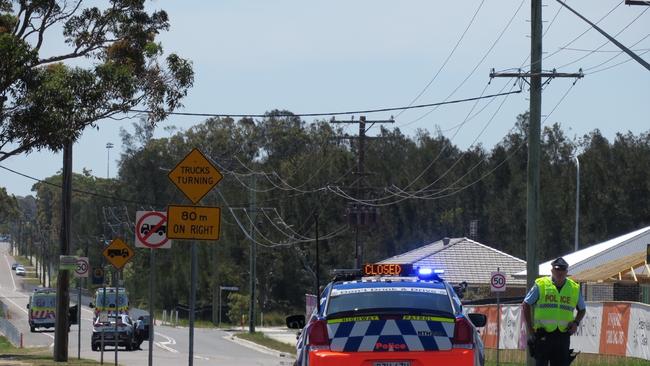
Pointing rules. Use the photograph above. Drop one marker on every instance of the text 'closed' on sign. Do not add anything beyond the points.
(193, 222)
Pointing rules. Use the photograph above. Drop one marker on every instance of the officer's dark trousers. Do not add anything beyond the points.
(554, 348)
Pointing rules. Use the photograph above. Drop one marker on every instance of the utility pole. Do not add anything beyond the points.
(534, 130)
(253, 256)
(577, 230)
(360, 187)
(63, 278)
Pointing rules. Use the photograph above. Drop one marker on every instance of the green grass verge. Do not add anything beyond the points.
(10, 355)
(263, 340)
(517, 358)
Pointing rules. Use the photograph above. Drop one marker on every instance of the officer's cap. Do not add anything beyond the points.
(560, 263)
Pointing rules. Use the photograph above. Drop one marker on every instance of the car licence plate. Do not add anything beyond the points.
(392, 363)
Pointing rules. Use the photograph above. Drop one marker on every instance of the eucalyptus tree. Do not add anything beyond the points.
(109, 62)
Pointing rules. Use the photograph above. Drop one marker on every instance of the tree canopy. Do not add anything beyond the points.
(109, 62)
(424, 186)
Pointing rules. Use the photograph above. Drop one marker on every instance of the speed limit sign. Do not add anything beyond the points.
(82, 268)
(498, 282)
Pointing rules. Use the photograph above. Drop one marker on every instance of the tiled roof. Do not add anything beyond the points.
(464, 259)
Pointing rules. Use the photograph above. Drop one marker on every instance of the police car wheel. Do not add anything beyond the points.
(32, 329)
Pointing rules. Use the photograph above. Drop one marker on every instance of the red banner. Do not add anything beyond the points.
(614, 326)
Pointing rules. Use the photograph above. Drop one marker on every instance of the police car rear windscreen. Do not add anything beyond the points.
(399, 299)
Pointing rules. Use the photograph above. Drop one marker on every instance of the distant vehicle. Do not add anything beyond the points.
(108, 304)
(42, 309)
(20, 270)
(118, 253)
(13, 266)
(146, 228)
(123, 334)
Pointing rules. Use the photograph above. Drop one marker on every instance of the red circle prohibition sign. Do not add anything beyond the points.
(154, 229)
(498, 280)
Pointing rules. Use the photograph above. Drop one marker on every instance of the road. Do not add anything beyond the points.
(211, 346)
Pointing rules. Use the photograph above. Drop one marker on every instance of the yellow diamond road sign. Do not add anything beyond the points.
(195, 175)
(118, 253)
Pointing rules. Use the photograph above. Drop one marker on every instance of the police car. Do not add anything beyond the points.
(389, 315)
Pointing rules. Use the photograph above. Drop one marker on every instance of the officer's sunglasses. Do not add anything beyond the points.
(561, 269)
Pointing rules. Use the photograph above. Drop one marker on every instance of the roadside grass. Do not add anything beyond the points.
(517, 358)
(22, 260)
(263, 340)
(10, 355)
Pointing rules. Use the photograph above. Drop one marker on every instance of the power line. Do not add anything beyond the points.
(503, 31)
(446, 60)
(320, 114)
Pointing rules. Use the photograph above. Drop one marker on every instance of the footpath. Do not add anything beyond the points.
(280, 334)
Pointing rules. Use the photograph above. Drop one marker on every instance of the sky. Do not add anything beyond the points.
(254, 56)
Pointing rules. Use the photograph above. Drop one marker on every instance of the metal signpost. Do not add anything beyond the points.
(117, 253)
(81, 271)
(151, 232)
(498, 285)
(195, 176)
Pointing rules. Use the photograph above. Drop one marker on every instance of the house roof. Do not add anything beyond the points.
(464, 259)
(625, 250)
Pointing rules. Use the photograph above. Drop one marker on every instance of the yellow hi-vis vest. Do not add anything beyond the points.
(554, 310)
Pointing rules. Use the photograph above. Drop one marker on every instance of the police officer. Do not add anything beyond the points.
(555, 298)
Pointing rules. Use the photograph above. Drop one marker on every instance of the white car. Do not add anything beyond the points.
(125, 333)
(20, 271)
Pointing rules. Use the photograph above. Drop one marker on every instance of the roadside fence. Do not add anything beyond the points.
(8, 329)
(169, 318)
(608, 328)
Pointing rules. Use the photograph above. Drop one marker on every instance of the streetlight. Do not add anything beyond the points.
(577, 200)
(109, 146)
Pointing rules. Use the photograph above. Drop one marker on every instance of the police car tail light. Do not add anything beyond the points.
(463, 334)
(318, 337)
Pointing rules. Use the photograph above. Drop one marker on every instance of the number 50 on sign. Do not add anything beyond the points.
(498, 282)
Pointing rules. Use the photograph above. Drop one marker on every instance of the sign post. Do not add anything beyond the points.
(498, 285)
(117, 253)
(151, 232)
(81, 271)
(195, 176)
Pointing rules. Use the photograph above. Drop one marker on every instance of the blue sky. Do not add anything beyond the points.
(328, 56)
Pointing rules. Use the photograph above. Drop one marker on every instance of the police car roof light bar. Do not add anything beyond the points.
(346, 274)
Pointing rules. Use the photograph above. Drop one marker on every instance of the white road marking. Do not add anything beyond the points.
(11, 274)
(163, 345)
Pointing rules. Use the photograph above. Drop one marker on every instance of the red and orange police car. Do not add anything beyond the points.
(389, 315)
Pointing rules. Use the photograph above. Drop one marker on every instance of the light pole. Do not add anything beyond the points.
(577, 200)
(109, 146)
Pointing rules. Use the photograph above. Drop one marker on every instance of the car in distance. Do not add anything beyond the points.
(14, 265)
(20, 270)
(123, 334)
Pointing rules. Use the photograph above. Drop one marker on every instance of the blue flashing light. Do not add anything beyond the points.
(428, 273)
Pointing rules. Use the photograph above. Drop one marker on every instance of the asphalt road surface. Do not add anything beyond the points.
(171, 346)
